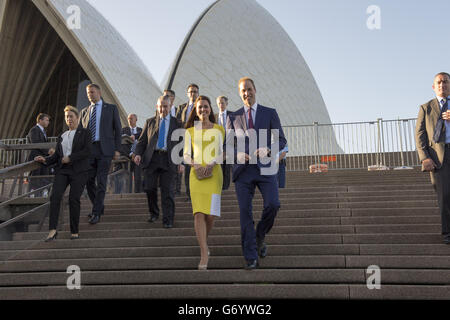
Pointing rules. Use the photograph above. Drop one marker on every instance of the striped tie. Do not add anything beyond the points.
(93, 122)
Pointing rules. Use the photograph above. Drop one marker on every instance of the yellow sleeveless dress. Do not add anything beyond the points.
(206, 145)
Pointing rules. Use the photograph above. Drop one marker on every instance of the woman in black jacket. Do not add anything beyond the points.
(71, 155)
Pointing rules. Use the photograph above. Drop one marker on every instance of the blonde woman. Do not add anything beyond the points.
(72, 158)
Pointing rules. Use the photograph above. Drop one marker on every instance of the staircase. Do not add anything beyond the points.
(331, 228)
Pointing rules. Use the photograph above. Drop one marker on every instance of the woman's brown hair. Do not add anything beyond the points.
(194, 116)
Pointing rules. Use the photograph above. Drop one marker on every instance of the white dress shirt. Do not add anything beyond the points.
(67, 142)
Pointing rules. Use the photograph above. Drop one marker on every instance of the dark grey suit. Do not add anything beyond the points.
(158, 165)
(439, 152)
(102, 152)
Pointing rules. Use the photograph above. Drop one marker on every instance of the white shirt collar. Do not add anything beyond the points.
(40, 127)
(254, 106)
(166, 117)
(440, 98)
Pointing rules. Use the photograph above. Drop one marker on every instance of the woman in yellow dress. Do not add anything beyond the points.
(204, 138)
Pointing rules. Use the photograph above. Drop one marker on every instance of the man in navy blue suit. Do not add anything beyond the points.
(103, 121)
(250, 130)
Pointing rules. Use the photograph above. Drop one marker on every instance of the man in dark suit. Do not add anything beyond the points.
(37, 134)
(183, 113)
(133, 131)
(249, 132)
(102, 120)
(221, 119)
(433, 145)
(154, 151)
(174, 113)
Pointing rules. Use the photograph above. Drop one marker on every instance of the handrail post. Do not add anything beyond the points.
(401, 143)
(316, 143)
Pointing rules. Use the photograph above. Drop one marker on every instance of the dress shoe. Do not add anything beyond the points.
(251, 264)
(74, 237)
(95, 219)
(168, 225)
(447, 239)
(90, 215)
(153, 218)
(52, 237)
(262, 249)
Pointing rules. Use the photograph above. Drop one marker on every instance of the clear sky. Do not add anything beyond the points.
(362, 74)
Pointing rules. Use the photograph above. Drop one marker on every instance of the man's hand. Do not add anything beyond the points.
(428, 164)
(132, 137)
(262, 152)
(116, 155)
(137, 159)
(51, 151)
(40, 159)
(242, 157)
(65, 160)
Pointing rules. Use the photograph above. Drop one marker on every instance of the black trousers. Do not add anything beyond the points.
(36, 183)
(98, 176)
(159, 171)
(137, 173)
(440, 179)
(66, 176)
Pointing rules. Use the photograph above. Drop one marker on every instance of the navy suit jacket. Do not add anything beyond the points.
(110, 128)
(266, 118)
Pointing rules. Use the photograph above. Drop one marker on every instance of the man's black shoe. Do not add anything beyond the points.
(95, 219)
(262, 249)
(90, 215)
(251, 264)
(153, 218)
(168, 225)
(447, 239)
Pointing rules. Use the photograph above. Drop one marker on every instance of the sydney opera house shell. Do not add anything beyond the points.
(45, 64)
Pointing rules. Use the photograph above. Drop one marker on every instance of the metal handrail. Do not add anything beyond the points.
(20, 169)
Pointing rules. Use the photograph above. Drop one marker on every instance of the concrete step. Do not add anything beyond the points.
(230, 291)
(401, 292)
(181, 291)
(103, 230)
(172, 263)
(399, 262)
(192, 276)
(283, 218)
(293, 276)
(175, 251)
(63, 241)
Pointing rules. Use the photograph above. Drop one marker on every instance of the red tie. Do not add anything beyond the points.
(250, 119)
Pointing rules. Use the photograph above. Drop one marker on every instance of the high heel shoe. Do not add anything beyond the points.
(202, 267)
(52, 237)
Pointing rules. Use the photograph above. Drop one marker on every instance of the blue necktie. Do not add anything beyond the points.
(93, 122)
(440, 122)
(162, 134)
